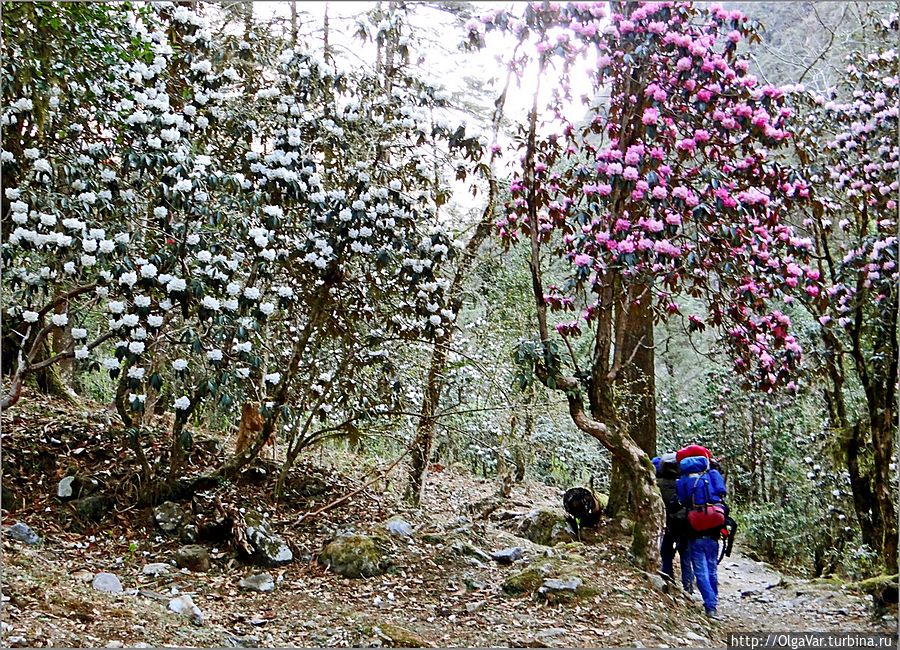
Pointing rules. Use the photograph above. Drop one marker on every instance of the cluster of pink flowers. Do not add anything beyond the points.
(683, 188)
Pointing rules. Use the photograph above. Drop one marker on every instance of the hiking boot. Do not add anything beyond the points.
(713, 614)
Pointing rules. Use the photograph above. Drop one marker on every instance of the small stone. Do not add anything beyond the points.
(193, 557)
(399, 527)
(262, 582)
(474, 607)
(235, 641)
(550, 632)
(556, 584)
(108, 582)
(693, 636)
(115, 644)
(17, 641)
(508, 555)
(22, 532)
(185, 606)
(168, 516)
(189, 534)
(155, 569)
(467, 549)
(66, 488)
(83, 575)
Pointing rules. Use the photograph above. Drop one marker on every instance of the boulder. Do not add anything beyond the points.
(22, 532)
(553, 579)
(356, 556)
(399, 527)
(108, 582)
(184, 605)
(169, 516)
(508, 555)
(262, 582)
(269, 549)
(546, 527)
(193, 557)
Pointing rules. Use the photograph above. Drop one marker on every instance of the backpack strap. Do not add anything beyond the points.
(694, 487)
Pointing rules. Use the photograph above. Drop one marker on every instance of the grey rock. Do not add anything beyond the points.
(658, 582)
(261, 582)
(22, 532)
(508, 555)
(399, 527)
(67, 488)
(193, 557)
(557, 584)
(169, 517)
(17, 641)
(693, 636)
(155, 569)
(236, 641)
(551, 632)
(108, 582)
(184, 605)
(270, 548)
(474, 607)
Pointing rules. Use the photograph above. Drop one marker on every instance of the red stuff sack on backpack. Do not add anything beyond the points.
(690, 451)
(706, 517)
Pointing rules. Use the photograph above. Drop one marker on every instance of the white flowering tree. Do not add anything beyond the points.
(207, 247)
(850, 147)
(348, 197)
(143, 220)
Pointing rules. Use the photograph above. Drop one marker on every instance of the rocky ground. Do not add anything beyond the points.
(467, 569)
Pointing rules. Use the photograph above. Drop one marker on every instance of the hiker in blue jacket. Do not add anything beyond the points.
(701, 491)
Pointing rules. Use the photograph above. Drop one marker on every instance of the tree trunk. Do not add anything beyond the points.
(421, 447)
(882, 426)
(867, 511)
(636, 383)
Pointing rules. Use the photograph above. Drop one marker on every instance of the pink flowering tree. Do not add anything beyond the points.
(849, 144)
(668, 189)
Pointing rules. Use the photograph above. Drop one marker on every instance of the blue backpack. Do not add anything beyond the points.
(700, 490)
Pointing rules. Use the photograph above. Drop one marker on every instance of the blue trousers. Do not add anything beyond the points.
(674, 540)
(704, 556)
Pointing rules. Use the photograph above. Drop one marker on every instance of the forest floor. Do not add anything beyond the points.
(440, 591)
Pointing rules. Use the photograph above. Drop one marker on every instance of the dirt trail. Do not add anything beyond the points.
(756, 597)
